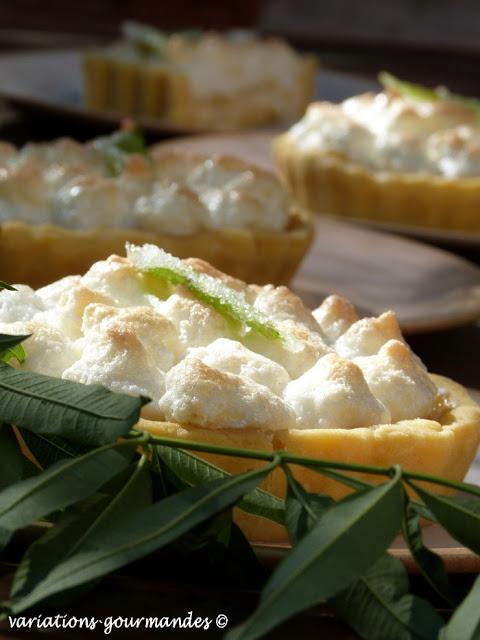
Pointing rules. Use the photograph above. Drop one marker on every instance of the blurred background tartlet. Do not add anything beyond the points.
(78, 203)
(206, 80)
(406, 155)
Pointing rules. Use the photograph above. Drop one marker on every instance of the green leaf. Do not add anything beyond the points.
(327, 558)
(465, 622)
(419, 92)
(14, 466)
(127, 493)
(144, 532)
(303, 509)
(89, 414)
(10, 347)
(64, 483)
(430, 564)
(217, 530)
(48, 449)
(379, 607)
(459, 515)
(8, 287)
(228, 302)
(194, 470)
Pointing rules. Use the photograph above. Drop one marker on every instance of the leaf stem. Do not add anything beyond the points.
(315, 463)
(292, 483)
(453, 484)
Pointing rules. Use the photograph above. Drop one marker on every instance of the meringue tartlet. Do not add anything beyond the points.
(199, 80)
(322, 383)
(65, 205)
(406, 155)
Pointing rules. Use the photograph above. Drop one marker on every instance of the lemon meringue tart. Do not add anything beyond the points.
(199, 79)
(229, 363)
(65, 205)
(407, 155)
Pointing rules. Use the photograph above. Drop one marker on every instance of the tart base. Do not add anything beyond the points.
(39, 254)
(326, 183)
(444, 448)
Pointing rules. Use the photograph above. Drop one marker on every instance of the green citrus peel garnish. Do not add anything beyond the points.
(419, 92)
(147, 40)
(227, 302)
(116, 148)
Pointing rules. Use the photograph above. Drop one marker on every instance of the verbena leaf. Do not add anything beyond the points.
(327, 558)
(195, 470)
(465, 622)
(430, 564)
(64, 483)
(459, 515)
(214, 531)
(422, 511)
(379, 606)
(303, 509)
(419, 92)
(228, 302)
(89, 414)
(125, 495)
(10, 347)
(14, 466)
(144, 532)
(48, 449)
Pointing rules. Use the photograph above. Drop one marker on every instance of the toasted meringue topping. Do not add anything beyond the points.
(399, 381)
(231, 356)
(392, 132)
(329, 370)
(68, 184)
(199, 395)
(366, 336)
(335, 315)
(333, 394)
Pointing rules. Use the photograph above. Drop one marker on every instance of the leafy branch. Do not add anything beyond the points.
(114, 494)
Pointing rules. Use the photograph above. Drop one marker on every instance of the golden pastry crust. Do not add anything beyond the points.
(443, 447)
(328, 183)
(39, 254)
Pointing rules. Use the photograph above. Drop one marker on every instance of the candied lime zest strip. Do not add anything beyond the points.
(228, 302)
(419, 92)
(145, 38)
(116, 147)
